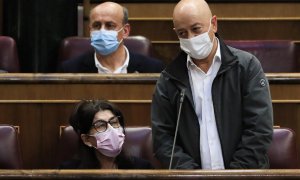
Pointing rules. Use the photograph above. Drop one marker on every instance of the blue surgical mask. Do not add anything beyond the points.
(105, 42)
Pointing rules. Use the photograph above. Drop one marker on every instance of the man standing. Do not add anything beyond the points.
(219, 95)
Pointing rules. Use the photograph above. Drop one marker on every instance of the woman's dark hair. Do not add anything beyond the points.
(82, 119)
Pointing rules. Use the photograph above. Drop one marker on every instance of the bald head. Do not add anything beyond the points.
(193, 17)
(196, 10)
(109, 11)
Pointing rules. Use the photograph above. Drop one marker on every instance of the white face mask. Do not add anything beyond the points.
(198, 47)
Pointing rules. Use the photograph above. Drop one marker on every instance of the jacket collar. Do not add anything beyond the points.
(178, 70)
(134, 63)
(88, 64)
(228, 59)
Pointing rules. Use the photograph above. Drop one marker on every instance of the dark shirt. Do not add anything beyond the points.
(86, 64)
(124, 163)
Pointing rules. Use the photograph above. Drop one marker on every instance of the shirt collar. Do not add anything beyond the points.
(121, 69)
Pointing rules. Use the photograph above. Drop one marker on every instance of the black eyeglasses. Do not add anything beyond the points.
(101, 125)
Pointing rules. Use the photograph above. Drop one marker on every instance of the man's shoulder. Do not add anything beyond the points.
(88, 56)
(143, 58)
(245, 58)
(145, 64)
(77, 64)
(248, 64)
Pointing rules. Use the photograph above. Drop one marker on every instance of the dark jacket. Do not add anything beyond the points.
(86, 64)
(243, 113)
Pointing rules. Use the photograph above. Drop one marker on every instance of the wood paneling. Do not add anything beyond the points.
(168, 50)
(236, 20)
(228, 9)
(150, 174)
(40, 103)
(231, 29)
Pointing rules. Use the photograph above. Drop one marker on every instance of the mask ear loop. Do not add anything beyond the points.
(122, 28)
(209, 24)
(209, 30)
(89, 144)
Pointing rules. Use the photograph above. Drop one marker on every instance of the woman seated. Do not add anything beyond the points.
(100, 125)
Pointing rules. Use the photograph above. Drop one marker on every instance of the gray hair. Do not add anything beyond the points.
(125, 14)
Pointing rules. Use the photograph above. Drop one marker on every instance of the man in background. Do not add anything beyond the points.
(108, 28)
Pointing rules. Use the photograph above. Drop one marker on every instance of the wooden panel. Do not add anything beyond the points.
(291, 92)
(287, 115)
(74, 91)
(260, 9)
(233, 9)
(240, 29)
(53, 116)
(150, 174)
(41, 103)
(167, 50)
(231, 29)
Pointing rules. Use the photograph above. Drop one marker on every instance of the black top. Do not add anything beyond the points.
(86, 64)
(124, 163)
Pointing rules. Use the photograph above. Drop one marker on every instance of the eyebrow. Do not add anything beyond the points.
(196, 24)
(104, 120)
(105, 22)
(193, 25)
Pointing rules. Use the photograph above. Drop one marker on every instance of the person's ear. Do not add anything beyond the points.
(174, 29)
(126, 30)
(214, 23)
(86, 140)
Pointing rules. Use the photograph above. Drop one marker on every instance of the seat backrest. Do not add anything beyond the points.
(68, 145)
(75, 46)
(138, 143)
(274, 55)
(9, 60)
(283, 150)
(10, 152)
